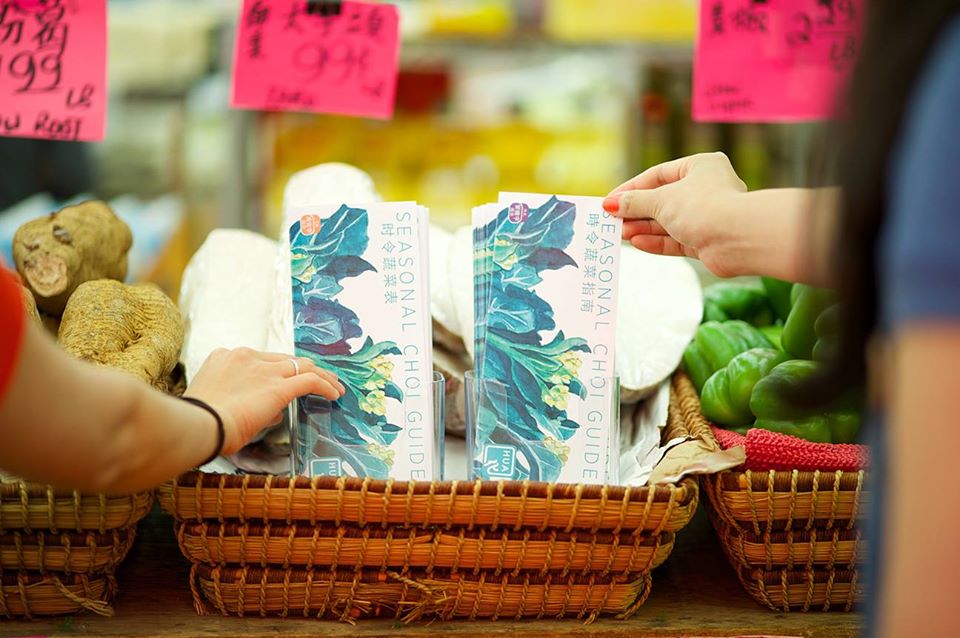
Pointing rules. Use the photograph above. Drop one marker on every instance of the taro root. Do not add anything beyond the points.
(56, 253)
(137, 329)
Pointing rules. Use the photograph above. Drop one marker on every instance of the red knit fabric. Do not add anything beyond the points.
(767, 450)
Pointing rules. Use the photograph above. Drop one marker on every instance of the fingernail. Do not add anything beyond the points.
(611, 204)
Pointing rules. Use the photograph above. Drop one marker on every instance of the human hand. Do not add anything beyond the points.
(685, 207)
(250, 389)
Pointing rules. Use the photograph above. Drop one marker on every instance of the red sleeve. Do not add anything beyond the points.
(12, 325)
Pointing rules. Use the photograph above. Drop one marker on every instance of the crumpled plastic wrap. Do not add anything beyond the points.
(446, 326)
(226, 295)
(660, 307)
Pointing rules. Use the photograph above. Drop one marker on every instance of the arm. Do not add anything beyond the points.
(919, 558)
(697, 207)
(67, 422)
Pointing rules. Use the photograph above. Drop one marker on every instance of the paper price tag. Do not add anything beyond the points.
(312, 55)
(53, 59)
(773, 62)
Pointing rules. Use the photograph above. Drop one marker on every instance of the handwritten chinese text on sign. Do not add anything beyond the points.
(307, 55)
(783, 61)
(53, 60)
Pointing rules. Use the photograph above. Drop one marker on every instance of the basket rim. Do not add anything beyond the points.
(254, 575)
(10, 486)
(527, 489)
(232, 529)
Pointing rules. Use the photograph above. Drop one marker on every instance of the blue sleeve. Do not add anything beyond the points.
(920, 250)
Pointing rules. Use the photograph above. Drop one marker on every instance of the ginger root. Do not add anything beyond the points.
(56, 253)
(30, 305)
(137, 329)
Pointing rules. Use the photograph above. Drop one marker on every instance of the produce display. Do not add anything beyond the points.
(759, 345)
(73, 263)
(136, 329)
(56, 253)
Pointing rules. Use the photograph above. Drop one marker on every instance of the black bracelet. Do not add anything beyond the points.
(221, 433)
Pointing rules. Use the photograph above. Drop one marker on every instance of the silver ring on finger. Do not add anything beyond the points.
(296, 367)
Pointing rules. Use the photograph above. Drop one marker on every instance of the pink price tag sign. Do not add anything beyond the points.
(784, 61)
(53, 69)
(317, 55)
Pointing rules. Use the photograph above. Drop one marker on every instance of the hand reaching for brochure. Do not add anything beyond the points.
(250, 389)
(684, 207)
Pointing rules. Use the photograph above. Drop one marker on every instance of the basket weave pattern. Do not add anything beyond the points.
(792, 536)
(59, 548)
(349, 548)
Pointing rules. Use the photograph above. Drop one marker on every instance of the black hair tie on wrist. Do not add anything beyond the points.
(221, 433)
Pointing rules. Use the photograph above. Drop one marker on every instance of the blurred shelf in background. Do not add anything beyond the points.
(566, 96)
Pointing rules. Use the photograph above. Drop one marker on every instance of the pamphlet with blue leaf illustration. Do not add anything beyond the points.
(546, 272)
(361, 309)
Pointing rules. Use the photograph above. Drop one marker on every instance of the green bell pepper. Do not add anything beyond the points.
(826, 328)
(732, 300)
(767, 399)
(844, 426)
(696, 365)
(721, 342)
(778, 294)
(715, 344)
(799, 334)
(773, 334)
(838, 424)
(825, 349)
(828, 323)
(725, 398)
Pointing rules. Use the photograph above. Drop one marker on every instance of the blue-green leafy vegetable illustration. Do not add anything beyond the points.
(525, 385)
(355, 428)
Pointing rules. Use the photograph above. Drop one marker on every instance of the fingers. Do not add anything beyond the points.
(657, 176)
(310, 383)
(637, 204)
(633, 227)
(286, 368)
(660, 245)
(673, 171)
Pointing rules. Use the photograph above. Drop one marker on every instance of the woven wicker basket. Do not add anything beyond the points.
(349, 548)
(67, 552)
(59, 548)
(792, 536)
(351, 594)
(33, 506)
(459, 549)
(30, 594)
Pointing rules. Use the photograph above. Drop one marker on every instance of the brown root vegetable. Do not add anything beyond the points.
(30, 305)
(56, 253)
(51, 323)
(176, 382)
(137, 329)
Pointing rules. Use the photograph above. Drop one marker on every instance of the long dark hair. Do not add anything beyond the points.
(898, 38)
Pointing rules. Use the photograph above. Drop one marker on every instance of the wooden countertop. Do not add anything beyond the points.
(695, 593)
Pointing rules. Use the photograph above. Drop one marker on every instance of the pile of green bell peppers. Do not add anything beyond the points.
(758, 342)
